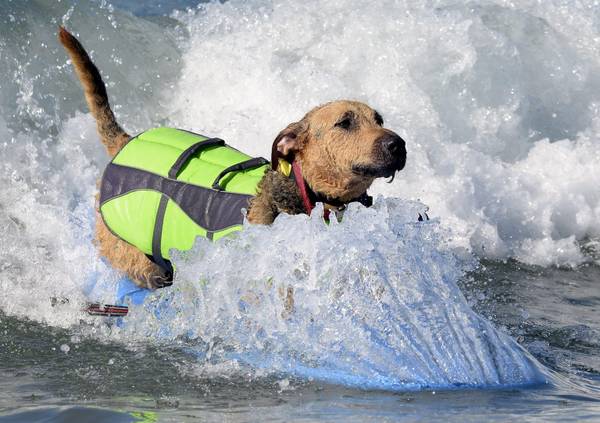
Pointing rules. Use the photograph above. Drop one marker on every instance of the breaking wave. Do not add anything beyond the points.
(375, 305)
(499, 103)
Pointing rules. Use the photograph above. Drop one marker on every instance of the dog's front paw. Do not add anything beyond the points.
(159, 281)
(156, 279)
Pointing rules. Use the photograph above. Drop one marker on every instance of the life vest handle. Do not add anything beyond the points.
(183, 158)
(248, 164)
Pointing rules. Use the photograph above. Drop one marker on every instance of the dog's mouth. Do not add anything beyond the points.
(379, 171)
(389, 157)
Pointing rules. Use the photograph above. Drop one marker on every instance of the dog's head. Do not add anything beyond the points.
(342, 147)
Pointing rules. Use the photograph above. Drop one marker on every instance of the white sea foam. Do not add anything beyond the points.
(481, 92)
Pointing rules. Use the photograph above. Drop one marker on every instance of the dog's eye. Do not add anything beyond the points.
(378, 119)
(345, 122)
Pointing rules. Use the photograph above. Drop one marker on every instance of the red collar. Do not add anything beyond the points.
(310, 198)
(303, 188)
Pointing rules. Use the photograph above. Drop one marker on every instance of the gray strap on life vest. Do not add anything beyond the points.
(162, 206)
(157, 238)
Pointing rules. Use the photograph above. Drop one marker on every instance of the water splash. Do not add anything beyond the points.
(376, 305)
(51, 155)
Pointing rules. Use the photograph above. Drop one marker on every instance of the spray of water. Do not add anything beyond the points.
(375, 305)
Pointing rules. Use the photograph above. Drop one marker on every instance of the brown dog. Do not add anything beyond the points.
(340, 146)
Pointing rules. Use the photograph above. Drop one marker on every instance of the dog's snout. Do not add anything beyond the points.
(393, 145)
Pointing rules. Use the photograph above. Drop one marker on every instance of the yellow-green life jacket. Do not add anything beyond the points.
(168, 186)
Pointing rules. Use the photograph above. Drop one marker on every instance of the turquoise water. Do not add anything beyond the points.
(487, 312)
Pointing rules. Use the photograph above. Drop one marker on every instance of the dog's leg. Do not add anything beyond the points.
(261, 210)
(112, 135)
(288, 305)
(276, 194)
(287, 295)
(128, 259)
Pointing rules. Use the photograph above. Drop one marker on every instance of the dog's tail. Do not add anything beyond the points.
(112, 135)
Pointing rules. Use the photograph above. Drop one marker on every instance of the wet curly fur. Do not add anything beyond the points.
(341, 147)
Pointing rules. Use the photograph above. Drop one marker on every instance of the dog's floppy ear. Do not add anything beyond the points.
(287, 143)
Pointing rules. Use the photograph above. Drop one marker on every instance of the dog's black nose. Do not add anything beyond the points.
(393, 145)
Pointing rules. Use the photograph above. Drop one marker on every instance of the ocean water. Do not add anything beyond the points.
(489, 311)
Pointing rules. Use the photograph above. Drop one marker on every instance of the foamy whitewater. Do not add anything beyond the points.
(375, 305)
(499, 104)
